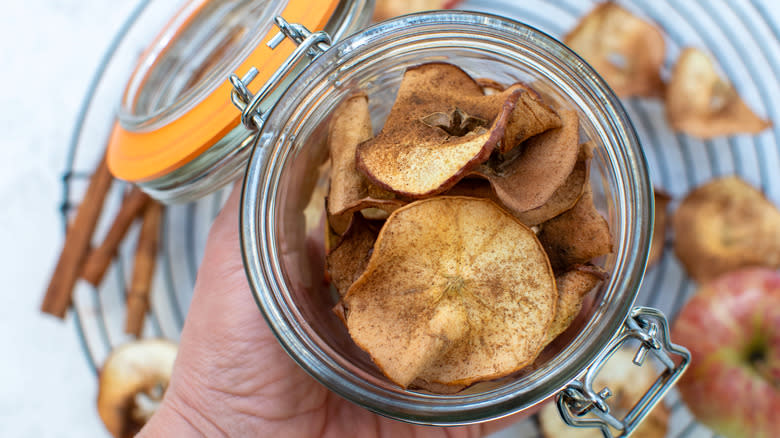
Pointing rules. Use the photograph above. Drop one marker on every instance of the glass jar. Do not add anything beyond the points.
(176, 136)
(286, 274)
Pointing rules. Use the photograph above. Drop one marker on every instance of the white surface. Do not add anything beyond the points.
(49, 50)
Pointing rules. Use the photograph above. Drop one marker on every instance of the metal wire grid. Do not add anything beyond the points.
(740, 34)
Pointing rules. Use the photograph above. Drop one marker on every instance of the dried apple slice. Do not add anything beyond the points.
(442, 126)
(413, 155)
(702, 103)
(567, 195)
(577, 236)
(547, 160)
(626, 50)
(530, 117)
(561, 200)
(723, 225)
(456, 291)
(662, 201)
(417, 153)
(349, 190)
(348, 259)
(132, 382)
(573, 286)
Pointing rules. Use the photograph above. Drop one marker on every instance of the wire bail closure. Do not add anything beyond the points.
(651, 328)
(310, 45)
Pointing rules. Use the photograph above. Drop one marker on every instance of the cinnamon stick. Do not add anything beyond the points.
(143, 270)
(99, 259)
(63, 280)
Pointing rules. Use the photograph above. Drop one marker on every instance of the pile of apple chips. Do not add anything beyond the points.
(460, 236)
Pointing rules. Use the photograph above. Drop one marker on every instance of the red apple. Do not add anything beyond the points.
(732, 328)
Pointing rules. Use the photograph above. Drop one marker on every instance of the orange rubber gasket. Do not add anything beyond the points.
(141, 156)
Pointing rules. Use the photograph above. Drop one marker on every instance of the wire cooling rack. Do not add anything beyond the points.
(742, 34)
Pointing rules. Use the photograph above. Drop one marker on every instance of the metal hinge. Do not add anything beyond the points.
(650, 328)
(310, 46)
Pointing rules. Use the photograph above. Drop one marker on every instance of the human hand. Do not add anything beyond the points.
(232, 378)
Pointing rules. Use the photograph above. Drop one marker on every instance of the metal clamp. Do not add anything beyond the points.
(578, 399)
(309, 44)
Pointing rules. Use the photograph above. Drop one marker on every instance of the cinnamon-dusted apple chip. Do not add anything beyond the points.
(626, 50)
(567, 195)
(573, 286)
(442, 126)
(723, 225)
(700, 102)
(456, 290)
(662, 200)
(563, 199)
(530, 117)
(347, 260)
(528, 181)
(577, 236)
(349, 190)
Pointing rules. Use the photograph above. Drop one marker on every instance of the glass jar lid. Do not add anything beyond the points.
(173, 108)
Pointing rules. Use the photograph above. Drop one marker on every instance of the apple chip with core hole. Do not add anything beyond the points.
(701, 103)
(573, 286)
(349, 257)
(577, 236)
(132, 382)
(662, 201)
(529, 180)
(349, 190)
(442, 126)
(723, 225)
(456, 291)
(626, 50)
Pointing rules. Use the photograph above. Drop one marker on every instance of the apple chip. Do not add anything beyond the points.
(662, 201)
(626, 50)
(347, 260)
(700, 102)
(456, 291)
(442, 126)
(567, 195)
(723, 225)
(573, 286)
(422, 149)
(349, 190)
(547, 160)
(530, 117)
(577, 236)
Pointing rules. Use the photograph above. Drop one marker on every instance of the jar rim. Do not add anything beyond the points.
(633, 189)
